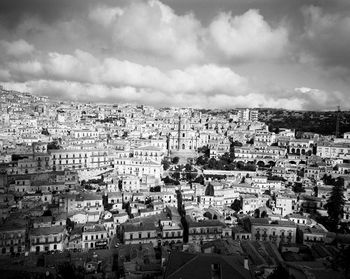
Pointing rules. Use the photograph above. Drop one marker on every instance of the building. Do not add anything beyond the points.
(149, 153)
(44, 239)
(12, 238)
(171, 232)
(204, 231)
(245, 115)
(333, 150)
(139, 233)
(285, 205)
(265, 229)
(311, 235)
(138, 167)
(94, 236)
(183, 137)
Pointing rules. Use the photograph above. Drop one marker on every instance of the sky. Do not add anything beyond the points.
(291, 54)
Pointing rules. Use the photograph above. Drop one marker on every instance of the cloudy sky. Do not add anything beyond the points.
(290, 54)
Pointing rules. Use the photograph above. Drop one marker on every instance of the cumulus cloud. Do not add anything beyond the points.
(247, 36)
(319, 98)
(147, 52)
(155, 28)
(102, 93)
(84, 67)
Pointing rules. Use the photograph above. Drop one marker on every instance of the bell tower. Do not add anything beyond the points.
(179, 134)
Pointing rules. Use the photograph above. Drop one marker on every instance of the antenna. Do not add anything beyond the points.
(338, 122)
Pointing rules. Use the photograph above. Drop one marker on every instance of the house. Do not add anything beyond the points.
(12, 238)
(204, 231)
(44, 239)
(115, 199)
(94, 236)
(285, 205)
(239, 233)
(266, 229)
(299, 219)
(120, 218)
(311, 235)
(89, 202)
(75, 238)
(134, 233)
(171, 232)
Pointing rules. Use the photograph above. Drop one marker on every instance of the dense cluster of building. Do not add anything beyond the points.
(83, 177)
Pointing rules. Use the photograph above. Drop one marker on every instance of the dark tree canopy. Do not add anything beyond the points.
(165, 164)
(335, 203)
(298, 187)
(236, 205)
(279, 272)
(209, 191)
(175, 160)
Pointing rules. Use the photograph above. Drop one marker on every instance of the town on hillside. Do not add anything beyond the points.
(132, 191)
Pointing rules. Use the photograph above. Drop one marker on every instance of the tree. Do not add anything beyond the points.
(47, 213)
(53, 145)
(69, 224)
(175, 160)
(155, 189)
(343, 260)
(267, 192)
(45, 132)
(199, 179)
(298, 187)
(335, 203)
(257, 213)
(201, 160)
(165, 164)
(236, 143)
(236, 205)
(209, 191)
(279, 272)
(205, 150)
(176, 175)
(212, 164)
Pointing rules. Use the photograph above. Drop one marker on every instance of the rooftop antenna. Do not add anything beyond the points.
(338, 122)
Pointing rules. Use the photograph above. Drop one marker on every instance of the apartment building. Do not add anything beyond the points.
(94, 236)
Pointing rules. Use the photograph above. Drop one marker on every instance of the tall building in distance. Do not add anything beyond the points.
(247, 115)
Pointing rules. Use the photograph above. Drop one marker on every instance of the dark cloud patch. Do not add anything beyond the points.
(49, 11)
(326, 39)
